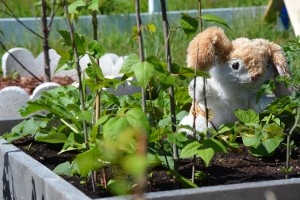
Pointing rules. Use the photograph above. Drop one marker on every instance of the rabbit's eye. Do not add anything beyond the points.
(236, 66)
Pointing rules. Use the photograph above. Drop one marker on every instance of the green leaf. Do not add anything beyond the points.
(94, 5)
(80, 44)
(206, 154)
(88, 161)
(53, 138)
(114, 127)
(177, 139)
(214, 18)
(66, 38)
(181, 115)
(135, 165)
(250, 139)
(96, 49)
(143, 73)
(188, 72)
(129, 63)
(118, 186)
(76, 5)
(188, 23)
(94, 86)
(248, 116)
(190, 149)
(273, 129)
(151, 28)
(137, 119)
(63, 169)
(31, 126)
(266, 147)
(94, 71)
(134, 33)
(216, 145)
(64, 64)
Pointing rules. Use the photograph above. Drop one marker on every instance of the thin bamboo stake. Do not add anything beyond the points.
(98, 98)
(194, 97)
(78, 69)
(169, 65)
(46, 41)
(141, 46)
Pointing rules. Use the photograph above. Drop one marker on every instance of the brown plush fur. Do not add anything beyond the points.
(206, 45)
(213, 44)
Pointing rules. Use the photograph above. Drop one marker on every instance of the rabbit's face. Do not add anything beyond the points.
(247, 65)
(235, 73)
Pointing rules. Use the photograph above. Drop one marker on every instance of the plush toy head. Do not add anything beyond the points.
(242, 61)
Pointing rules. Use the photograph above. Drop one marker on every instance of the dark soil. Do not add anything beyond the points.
(234, 167)
(30, 83)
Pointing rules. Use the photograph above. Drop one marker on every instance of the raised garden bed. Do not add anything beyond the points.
(230, 176)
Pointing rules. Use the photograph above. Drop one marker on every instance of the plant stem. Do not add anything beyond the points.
(141, 46)
(45, 41)
(288, 148)
(98, 93)
(78, 68)
(98, 99)
(171, 89)
(194, 97)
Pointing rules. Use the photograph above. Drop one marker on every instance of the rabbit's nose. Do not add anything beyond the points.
(255, 77)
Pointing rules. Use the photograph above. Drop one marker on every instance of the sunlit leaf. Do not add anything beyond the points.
(63, 169)
(96, 49)
(66, 38)
(134, 33)
(248, 116)
(214, 18)
(135, 165)
(64, 64)
(188, 23)
(94, 5)
(129, 63)
(137, 119)
(206, 154)
(151, 28)
(88, 161)
(53, 138)
(216, 145)
(76, 5)
(190, 150)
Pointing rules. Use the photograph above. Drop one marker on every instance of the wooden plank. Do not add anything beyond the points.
(273, 9)
(293, 9)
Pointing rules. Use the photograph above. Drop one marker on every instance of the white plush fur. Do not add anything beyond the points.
(238, 69)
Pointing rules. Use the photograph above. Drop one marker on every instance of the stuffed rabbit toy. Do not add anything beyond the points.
(237, 70)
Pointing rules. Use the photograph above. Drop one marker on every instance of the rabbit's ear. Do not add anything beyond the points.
(281, 68)
(205, 46)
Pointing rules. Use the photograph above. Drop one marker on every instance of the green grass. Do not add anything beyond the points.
(30, 8)
(121, 43)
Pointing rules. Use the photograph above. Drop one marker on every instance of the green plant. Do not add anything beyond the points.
(262, 134)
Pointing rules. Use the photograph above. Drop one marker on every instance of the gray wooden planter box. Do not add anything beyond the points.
(25, 178)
